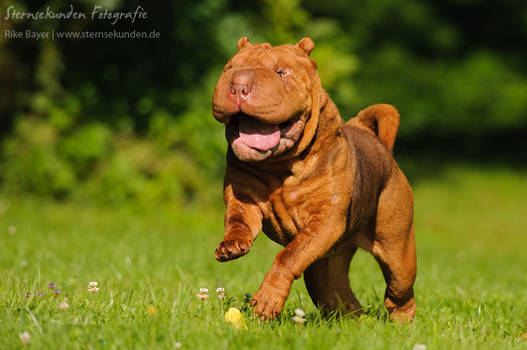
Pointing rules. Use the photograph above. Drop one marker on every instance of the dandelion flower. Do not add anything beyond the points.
(151, 310)
(235, 318)
(25, 338)
(64, 305)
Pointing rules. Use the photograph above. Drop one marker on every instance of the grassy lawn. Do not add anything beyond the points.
(471, 228)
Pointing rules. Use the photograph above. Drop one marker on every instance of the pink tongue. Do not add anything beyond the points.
(258, 135)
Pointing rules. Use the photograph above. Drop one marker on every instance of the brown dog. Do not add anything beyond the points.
(318, 186)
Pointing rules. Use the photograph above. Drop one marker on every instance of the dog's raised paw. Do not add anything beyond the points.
(232, 249)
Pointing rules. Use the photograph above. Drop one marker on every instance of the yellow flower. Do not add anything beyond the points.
(151, 310)
(235, 318)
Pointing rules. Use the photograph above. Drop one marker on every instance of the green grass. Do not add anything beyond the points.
(471, 289)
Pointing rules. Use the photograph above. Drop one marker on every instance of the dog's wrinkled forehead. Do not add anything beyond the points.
(254, 57)
(267, 56)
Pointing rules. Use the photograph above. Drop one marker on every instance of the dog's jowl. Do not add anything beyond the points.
(320, 187)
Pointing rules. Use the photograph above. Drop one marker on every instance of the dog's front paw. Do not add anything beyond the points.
(232, 249)
(268, 303)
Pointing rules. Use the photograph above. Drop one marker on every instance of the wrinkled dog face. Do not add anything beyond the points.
(264, 98)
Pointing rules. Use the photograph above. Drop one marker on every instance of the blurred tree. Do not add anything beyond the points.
(451, 67)
(120, 119)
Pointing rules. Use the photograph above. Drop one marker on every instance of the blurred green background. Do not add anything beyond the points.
(111, 169)
(129, 120)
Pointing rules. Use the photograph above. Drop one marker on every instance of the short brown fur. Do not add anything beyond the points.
(326, 189)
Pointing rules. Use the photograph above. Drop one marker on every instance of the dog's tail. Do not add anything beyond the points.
(382, 120)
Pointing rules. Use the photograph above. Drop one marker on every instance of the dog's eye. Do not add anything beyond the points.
(282, 72)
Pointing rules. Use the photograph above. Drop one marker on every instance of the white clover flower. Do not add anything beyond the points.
(298, 319)
(92, 287)
(203, 293)
(300, 313)
(221, 292)
(64, 305)
(419, 347)
(177, 345)
(25, 338)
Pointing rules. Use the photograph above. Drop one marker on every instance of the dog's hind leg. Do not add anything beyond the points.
(327, 281)
(394, 246)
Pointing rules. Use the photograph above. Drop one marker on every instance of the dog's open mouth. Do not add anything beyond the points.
(257, 134)
(253, 139)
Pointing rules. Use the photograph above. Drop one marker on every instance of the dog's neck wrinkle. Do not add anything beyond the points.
(329, 125)
(329, 128)
(330, 120)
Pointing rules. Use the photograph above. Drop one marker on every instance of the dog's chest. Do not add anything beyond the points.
(287, 212)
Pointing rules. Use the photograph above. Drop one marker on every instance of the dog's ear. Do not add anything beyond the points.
(243, 42)
(306, 44)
